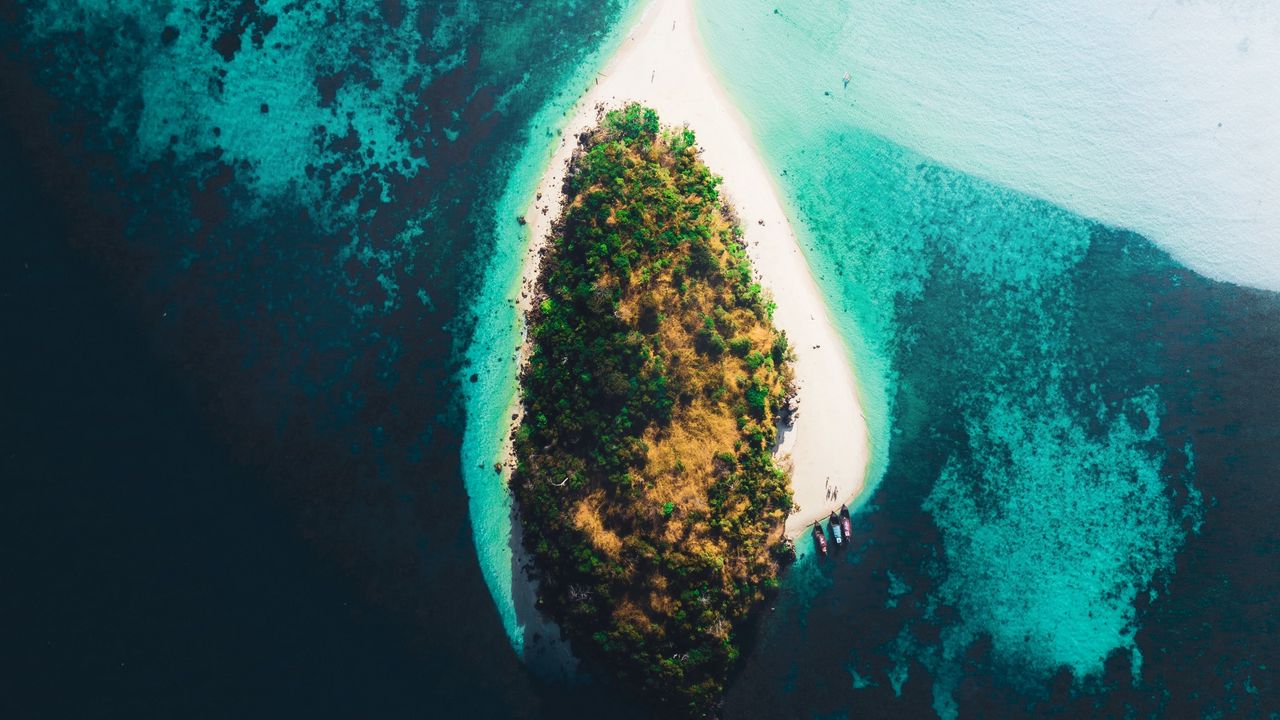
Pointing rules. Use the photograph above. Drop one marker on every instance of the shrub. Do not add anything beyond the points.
(779, 350)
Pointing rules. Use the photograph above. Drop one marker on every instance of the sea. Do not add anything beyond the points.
(258, 265)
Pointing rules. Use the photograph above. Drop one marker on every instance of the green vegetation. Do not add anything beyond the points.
(645, 480)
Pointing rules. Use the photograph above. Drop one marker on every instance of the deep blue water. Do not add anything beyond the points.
(1204, 634)
(149, 572)
(241, 246)
(232, 422)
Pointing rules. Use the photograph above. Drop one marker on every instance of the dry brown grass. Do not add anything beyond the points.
(676, 497)
(589, 516)
(680, 458)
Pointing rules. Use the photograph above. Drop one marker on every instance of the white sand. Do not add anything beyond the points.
(662, 64)
(1160, 117)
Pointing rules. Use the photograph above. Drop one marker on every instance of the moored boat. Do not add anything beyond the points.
(846, 523)
(819, 538)
(836, 532)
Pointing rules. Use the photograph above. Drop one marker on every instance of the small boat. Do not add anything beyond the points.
(846, 523)
(836, 532)
(819, 538)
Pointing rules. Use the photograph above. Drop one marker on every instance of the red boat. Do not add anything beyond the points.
(846, 523)
(819, 538)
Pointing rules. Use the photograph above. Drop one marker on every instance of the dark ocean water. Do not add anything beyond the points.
(1076, 515)
(240, 241)
(880, 638)
(241, 244)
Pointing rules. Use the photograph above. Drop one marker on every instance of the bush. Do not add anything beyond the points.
(650, 315)
(757, 399)
(702, 262)
(710, 341)
(779, 350)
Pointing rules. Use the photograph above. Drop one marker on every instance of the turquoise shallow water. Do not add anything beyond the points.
(1034, 452)
(491, 366)
(1038, 493)
(260, 250)
(1155, 117)
(287, 211)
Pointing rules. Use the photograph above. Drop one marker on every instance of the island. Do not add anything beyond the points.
(651, 502)
(660, 61)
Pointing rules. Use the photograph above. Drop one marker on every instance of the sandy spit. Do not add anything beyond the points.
(662, 63)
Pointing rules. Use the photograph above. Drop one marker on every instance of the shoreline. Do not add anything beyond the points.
(662, 63)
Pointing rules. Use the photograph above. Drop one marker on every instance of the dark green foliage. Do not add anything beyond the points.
(634, 123)
(740, 346)
(595, 384)
(757, 400)
(710, 341)
(650, 315)
(702, 263)
(779, 351)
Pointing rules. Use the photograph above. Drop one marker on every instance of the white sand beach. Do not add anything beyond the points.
(662, 64)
